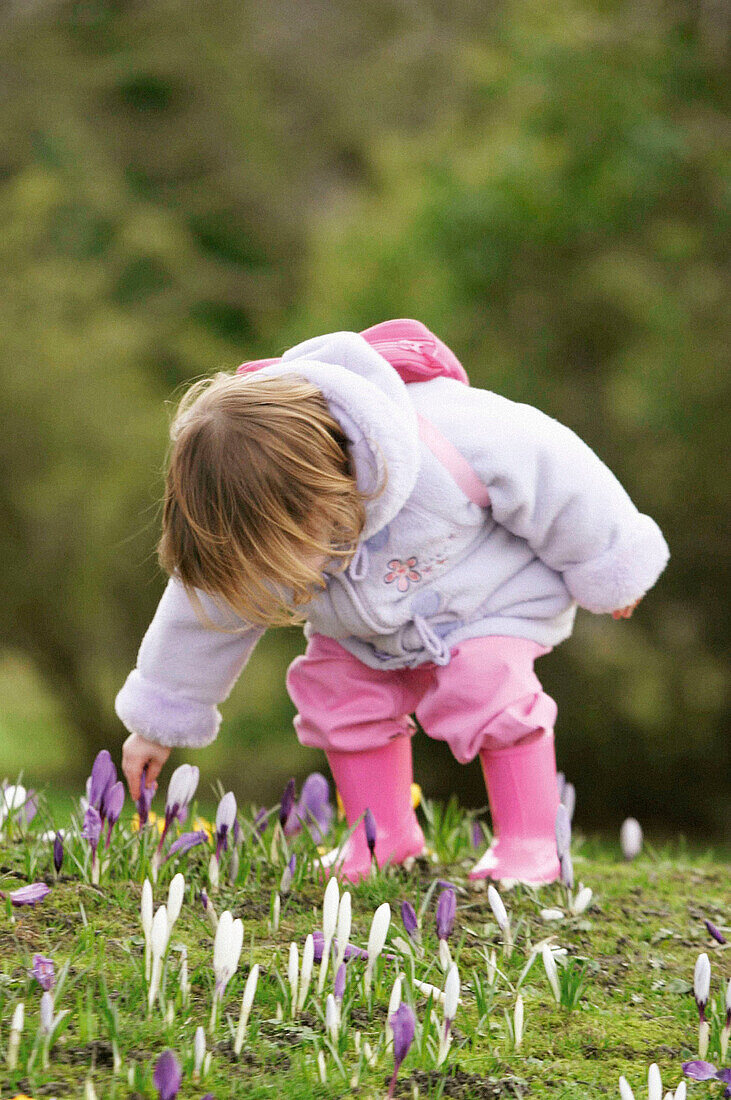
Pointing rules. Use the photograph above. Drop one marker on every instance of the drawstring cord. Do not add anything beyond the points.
(432, 643)
(358, 568)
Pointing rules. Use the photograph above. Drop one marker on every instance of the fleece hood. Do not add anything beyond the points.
(369, 401)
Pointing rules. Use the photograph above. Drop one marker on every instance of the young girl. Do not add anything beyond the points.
(434, 538)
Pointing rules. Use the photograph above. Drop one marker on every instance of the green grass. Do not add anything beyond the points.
(626, 999)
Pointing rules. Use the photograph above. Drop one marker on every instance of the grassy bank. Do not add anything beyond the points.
(625, 977)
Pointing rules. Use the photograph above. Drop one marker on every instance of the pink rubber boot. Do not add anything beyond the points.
(522, 789)
(379, 780)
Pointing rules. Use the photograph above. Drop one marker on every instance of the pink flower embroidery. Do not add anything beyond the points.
(402, 572)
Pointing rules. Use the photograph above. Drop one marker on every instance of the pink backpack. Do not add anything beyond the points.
(418, 355)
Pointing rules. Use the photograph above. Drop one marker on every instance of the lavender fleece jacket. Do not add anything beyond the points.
(432, 568)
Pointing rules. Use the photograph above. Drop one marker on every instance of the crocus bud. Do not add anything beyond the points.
(176, 893)
(630, 838)
(369, 822)
(287, 804)
(43, 972)
(46, 1014)
(167, 1076)
(293, 968)
(339, 983)
(199, 1052)
(403, 1026)
(408, 916)
(57, 852)
(446, 911)
(563, 831)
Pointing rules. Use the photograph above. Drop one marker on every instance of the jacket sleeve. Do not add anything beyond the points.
(183, 670)
(549, 488)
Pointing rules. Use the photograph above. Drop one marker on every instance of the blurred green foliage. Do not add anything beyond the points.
(183, 187)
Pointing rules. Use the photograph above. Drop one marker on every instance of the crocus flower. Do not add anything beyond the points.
(701, 990)
(313, 810)
(518, 1017)
(501, 916)
(103, 776)
(28, 895)
(339, 983)
(351, 951)
(717, 935)
(145, 799)
(332, 1023)
(451, 1001)
(225, 817)
(293, 973)
(199, 1052)
(654, 1083)
(330, 904)
(369, 823)
(43, 972)
(16, 1027)
(57, 852)
(260, 821)
(549, 964)
(376, 940)
(408, 916)
(446, 911)
(287, 804)
(167, 1076)
(569, 799)
(46, 1014)
(308, 958)
(630, 838)
(285, 883)
(582, 900)
(176, 892)
(158, 944)
(28, 810)
(246, 1003)
(185, 842)
(567, 871)
(146, 914)
(563, 831)
(699, 1070)
(478, 836)
(345, 921)
(13, 797)
(113, 802)
(227, 950)
(92, 831)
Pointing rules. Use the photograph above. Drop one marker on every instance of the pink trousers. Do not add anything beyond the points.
(488, 696)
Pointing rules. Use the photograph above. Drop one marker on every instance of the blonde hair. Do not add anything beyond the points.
(258, 477)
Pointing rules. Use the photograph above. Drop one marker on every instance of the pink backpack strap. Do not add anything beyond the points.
(454, 462)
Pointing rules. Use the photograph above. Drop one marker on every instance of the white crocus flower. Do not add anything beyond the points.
(451, 1001)
(681, 1091)
(445, 956)
(331, 1017)
(393, 1002)
(344, 926)
(213, 872)
(176, 893)
(226, 813)
(501, 916)
(16, 1027)
(551, 971)
(13, 798)
(582, 900)
(701, 989)
(146, 917)
(654, 1083)
(276, 911)
(308, 958)
(321, 1067)
(158, 944)
(246, 1002)
(625, 1091)
(518, 1017)
(630, 838)
(226, 953)
(551, 914)
(293, 969)
(376, 940)
(199, 1052)
(330, 906)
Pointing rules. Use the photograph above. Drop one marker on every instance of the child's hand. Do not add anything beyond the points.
(136, 752)
(625, 612)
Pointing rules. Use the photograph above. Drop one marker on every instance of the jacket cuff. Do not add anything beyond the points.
(163, 717)
(623, 573)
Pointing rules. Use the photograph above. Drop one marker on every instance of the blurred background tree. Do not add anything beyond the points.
(183, 187)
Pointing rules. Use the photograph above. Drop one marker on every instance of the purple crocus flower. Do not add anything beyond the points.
(351, 951)
(167, 1076)
(145, 800)
(478, 837)
(260, 821)
(57, 852)
(567, 871)
(103, 776)
(408, 916)
(29, 809)
(313, 809)
(369, 823)
(446, 911)
(236, 832)
(225, 818)
(113, 802)
(699, 1071)
(29, 895)
(717, 935)
(185, 842)
(43, 972)
(563, 831)
(403, 1026)
(339, 983)
(181, 788)
(287, 804)
(92, 828)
